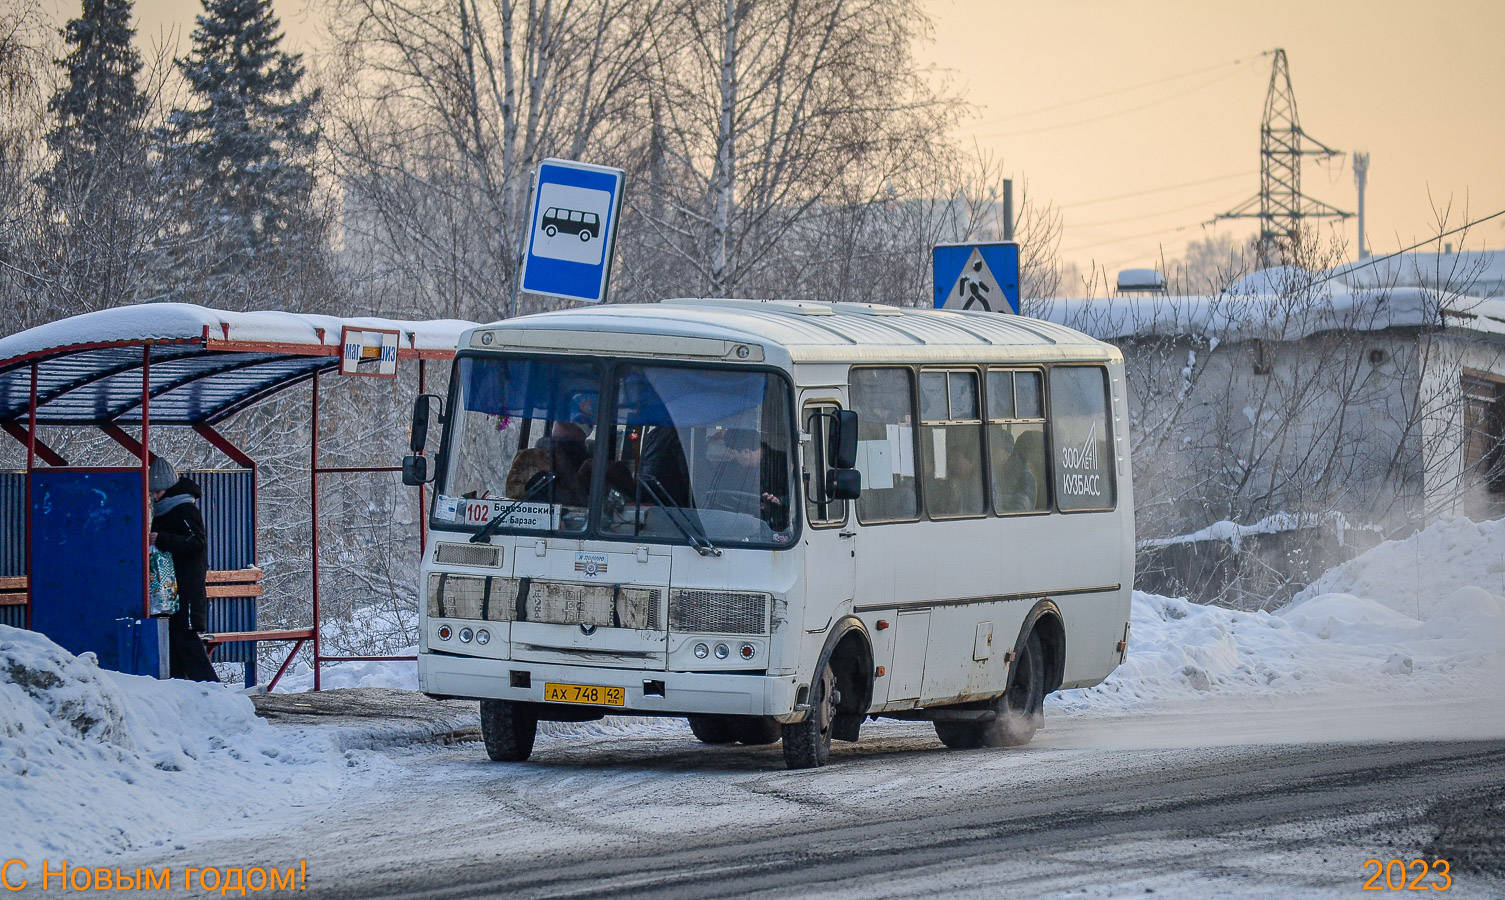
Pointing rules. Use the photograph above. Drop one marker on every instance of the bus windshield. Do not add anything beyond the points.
(683, 454)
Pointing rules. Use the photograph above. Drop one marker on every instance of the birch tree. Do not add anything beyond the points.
(767, 112)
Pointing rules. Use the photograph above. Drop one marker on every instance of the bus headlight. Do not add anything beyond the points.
(722, 651)
(702, 651)
(465, 635)
(483, 636)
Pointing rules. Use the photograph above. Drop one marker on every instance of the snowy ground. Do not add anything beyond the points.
(1400, 644)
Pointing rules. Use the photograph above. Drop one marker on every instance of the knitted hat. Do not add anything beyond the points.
(164, 476)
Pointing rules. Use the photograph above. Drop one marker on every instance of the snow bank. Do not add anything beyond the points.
(1414, 575)
(1421, 615)
(95, 763)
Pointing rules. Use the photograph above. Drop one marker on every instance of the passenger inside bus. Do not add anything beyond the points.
(751, 476)
(555, 470)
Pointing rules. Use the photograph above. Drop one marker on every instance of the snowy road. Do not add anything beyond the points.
(1189, 802)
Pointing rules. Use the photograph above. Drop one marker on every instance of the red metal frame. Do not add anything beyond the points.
(146, 480)
(25, 436)
(35, 449)
(122, 437)
(31, 465)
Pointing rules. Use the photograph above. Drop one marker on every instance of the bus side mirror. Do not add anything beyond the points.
(415, 470)
(843, 484)
(841, 440)
(419, 435)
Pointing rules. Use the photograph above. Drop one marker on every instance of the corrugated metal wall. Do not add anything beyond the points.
(13, 539)
(12, 523)
(229, 510)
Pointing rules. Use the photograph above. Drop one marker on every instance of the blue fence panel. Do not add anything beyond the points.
(88, 559)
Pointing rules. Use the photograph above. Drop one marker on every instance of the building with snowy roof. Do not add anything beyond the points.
(1298, 416)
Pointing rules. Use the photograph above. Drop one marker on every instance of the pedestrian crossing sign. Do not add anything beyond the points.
(977, 276)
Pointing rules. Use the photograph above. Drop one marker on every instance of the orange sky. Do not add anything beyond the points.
(1421, 87)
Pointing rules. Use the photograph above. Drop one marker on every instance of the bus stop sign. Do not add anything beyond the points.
(573, 229)
(981, 276)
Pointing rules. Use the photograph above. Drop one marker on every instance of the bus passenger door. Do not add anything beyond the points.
(830, 541)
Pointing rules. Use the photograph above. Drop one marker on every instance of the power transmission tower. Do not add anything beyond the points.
(1280, 205)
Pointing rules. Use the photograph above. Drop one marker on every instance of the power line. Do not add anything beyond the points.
(1169, 187)
(1113, 93)
(1136, 237)
(1110, 115)
(1163, 212)
(1437, 237)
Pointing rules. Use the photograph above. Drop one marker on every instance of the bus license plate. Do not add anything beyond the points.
(591, 694)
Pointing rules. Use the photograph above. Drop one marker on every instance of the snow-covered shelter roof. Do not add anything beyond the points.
(203, 364)
(804, 331)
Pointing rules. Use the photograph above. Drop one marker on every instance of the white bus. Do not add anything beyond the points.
(776, 519)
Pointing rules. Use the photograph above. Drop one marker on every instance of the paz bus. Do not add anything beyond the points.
(777, 519)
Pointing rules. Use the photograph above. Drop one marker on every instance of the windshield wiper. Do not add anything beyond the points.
(687, 526)
(496, 521)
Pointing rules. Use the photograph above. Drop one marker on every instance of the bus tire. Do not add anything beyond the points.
(757, 731)
(712, 729)
(508, 728)
(1018, 710)
(807, 744)
(959, 735)
(1021, 707)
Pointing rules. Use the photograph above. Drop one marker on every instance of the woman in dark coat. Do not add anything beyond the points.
(178, 529)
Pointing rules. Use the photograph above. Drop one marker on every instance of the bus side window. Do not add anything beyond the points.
(1016, 442)
(1080, 435)
(951, 444)
(883, 399)
(819, 510)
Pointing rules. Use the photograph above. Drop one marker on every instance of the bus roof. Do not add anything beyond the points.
(810, 332)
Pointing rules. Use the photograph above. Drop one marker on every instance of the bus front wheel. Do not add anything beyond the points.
(807, 744)
(508, 729)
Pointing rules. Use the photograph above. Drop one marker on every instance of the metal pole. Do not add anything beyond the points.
(146, 481)
(1361, 177)
(522, 242)
(313, 481)
(31, 461)
(1008, 209)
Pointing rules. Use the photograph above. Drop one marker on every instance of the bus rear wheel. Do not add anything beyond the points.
(1017, 712)
(807, 744)
(508, 729)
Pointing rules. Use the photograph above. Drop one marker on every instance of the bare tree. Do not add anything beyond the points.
(447, 106)
(767, 114)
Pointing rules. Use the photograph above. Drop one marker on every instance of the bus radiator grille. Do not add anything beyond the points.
(718, 612)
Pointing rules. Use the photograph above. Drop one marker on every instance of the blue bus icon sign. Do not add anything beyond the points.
(572, 230)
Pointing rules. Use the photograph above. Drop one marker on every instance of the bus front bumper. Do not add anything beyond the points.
(684, 693)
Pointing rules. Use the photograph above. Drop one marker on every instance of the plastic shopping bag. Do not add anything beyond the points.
(164, 583)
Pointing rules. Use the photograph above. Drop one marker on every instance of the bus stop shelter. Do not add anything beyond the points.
(73, 557)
